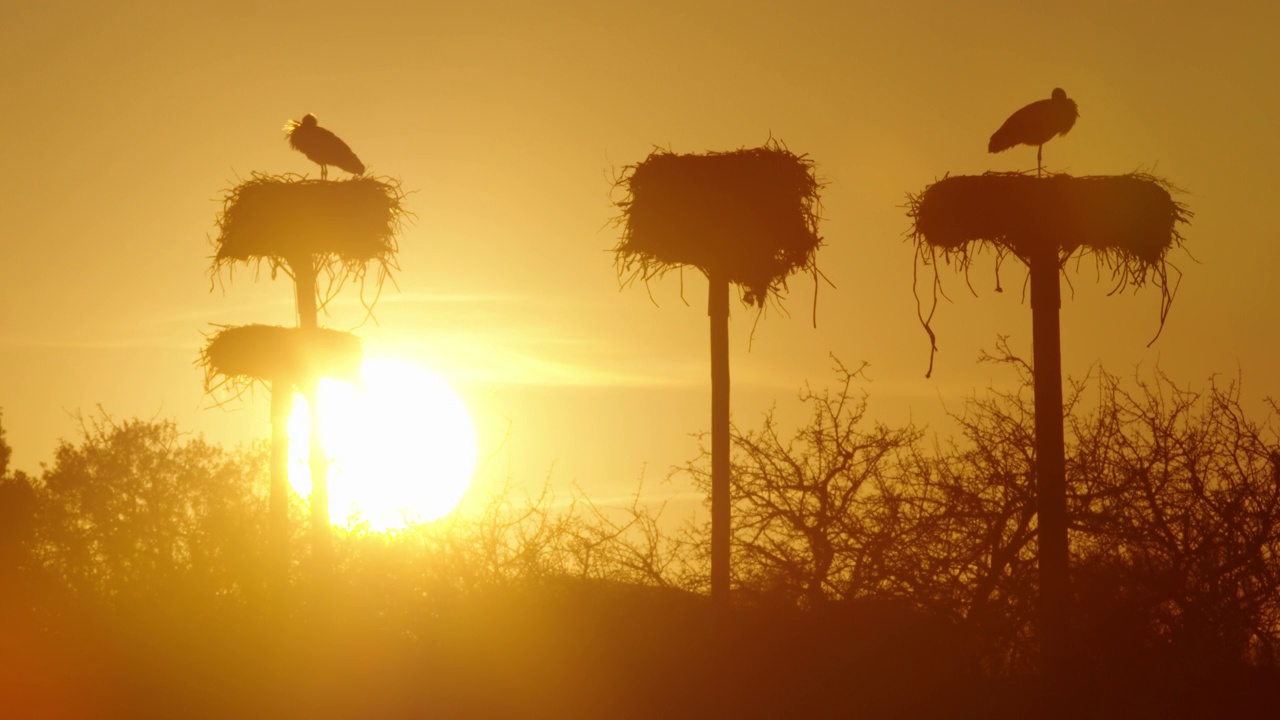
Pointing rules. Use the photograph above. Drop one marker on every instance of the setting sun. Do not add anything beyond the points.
(402, 446)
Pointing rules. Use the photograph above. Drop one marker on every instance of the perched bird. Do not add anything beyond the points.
(321, 146)
(1036, 124)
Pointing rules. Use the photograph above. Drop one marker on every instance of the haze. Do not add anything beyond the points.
(124, 123)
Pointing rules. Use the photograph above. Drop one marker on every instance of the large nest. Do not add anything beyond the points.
(237, 357)
(1127, 223)
(1131, 216)
(749, 214)
(339, 225)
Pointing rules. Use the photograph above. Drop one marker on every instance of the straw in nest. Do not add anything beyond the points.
(280, 219)
(1133, 215)
(751, 214)
(1128, 223)
(240, 356)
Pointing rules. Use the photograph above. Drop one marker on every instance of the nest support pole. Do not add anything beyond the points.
(718, 310)
(1051, 488)
(278, 507)
(304, 279)
(319, 472)
(304, 273)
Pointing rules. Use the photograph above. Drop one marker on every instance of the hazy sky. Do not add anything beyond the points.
(124, 123)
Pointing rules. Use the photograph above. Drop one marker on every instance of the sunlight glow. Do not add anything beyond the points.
(402, 447)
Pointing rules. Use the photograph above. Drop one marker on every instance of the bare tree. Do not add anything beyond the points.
(1180, 492)
(816, 519)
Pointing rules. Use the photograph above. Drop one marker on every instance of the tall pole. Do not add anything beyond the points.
(304, 273)
(718, 310)
(278, 503)
(1051, 484)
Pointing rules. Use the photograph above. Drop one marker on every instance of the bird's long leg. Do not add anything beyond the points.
(1039, 151)
(324, 172)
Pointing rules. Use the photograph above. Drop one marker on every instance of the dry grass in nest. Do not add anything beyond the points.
(237, 357)
(1126, 223)
(751, 214)
(337, 227)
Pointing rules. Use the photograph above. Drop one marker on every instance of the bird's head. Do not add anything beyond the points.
(307, 120)
(1058, 94)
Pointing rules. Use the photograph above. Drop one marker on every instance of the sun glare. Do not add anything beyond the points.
(402, 447)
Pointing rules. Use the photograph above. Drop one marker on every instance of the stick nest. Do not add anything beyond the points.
(1127, 223)
(339, 226)
(750, 214)
(1132, 217)
(237, 357)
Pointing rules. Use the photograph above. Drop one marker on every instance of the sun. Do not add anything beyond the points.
(401, 444)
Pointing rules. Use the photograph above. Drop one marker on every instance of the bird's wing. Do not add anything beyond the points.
(1021, 127)
(337, 152)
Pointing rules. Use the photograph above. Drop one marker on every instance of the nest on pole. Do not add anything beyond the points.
(1126, 223)
(751, 214)
(339, 225)
(237, 357)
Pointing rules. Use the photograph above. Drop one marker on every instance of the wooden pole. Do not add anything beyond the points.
(304, 273)
(1051, 484)
(278, 503)
(718, 310)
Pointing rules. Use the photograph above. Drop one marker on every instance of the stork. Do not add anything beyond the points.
(321, 146)
(1036, 124)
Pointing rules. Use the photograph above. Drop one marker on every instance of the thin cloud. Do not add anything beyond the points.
(528, 355)
(74, 344)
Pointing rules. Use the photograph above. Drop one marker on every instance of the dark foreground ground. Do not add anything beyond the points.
(566, 651)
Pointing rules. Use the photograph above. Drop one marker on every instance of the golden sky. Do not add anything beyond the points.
(124, 122)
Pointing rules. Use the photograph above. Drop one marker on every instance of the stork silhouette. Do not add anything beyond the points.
(1036, 124)
(321, 146)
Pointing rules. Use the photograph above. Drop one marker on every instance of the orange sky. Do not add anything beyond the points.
(122, 126)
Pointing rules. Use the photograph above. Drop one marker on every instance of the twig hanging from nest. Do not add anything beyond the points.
(1127, 223)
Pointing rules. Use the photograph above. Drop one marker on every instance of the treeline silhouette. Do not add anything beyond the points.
(878, 571)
